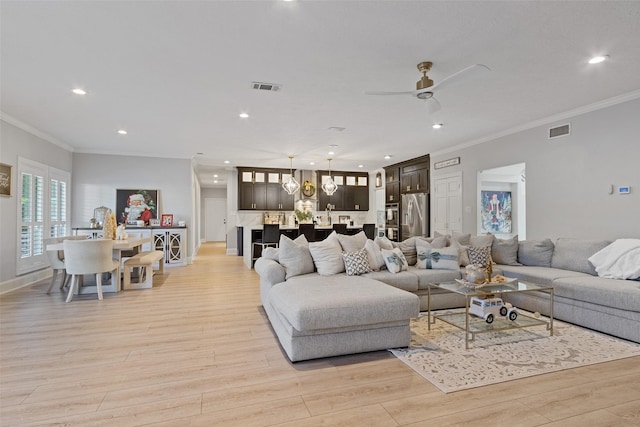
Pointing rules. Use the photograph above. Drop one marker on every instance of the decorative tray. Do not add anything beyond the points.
(494, 281)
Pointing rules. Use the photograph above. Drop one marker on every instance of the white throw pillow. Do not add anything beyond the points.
(294, 256)
(356, 262)
(327, 255)
(375, 255)
(394, 260)
(437, 258)
(384, 243)
(352, 243)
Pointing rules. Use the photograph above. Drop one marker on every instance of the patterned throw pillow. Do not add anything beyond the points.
(356, 262)
(437, 258)
(480, 256)
(394, 260)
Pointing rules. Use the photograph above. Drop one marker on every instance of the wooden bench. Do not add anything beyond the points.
(144, 260)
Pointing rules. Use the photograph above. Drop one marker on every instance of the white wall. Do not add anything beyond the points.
(14, 143)
(567, 178)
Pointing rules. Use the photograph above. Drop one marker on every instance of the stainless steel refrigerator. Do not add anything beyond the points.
(415, 215)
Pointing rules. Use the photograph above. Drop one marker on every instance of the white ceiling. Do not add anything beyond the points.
(176, 74)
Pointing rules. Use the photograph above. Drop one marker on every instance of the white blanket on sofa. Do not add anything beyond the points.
(619, 260)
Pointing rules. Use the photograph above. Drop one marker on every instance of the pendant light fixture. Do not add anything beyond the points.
(329, 186)
(291, 185)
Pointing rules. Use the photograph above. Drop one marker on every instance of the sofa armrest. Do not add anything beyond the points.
(270, 271)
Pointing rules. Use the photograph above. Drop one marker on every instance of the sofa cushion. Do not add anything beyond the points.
(294, 256)
(620, 294)
(425, 276)
(316, 302)
(356, 262)
(352, 243)
(376, 262)
(538, 275)
(394, 260)
(573, 254)
(505, 251)
(327, 255)
(535, 252)
(403, 280)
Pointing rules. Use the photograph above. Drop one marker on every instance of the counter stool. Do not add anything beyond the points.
(309, 231)
(340, 228)
(369, 230)
(270, 237)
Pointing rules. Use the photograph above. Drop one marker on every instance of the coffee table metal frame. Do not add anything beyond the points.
(474, 325)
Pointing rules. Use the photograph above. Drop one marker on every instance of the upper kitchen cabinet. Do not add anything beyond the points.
(392, 184)
(352, 193)
(415, 178)
(261, 189)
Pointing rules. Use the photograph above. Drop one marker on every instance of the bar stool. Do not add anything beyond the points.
(369, 230)
(340, 228)
(270, 237)
(309, 231)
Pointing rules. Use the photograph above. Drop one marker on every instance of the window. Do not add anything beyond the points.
(42, 211)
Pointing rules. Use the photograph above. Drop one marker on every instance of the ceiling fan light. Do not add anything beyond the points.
(598, 59)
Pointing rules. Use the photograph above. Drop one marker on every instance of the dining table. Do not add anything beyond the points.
(119, 246)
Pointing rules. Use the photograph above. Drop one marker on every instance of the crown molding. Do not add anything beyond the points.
(33, 131)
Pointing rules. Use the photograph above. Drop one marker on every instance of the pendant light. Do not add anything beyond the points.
(291, 185)
(329, 186)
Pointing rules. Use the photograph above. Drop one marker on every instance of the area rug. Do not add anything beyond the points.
(439, 355)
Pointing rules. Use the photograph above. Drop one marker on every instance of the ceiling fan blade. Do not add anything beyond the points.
(460, 75)
(433, 105)
(412, 92)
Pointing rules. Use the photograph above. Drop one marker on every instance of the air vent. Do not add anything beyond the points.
(271, 87)
(559, 131)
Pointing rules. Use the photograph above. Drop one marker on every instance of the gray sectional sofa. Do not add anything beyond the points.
(302, 308)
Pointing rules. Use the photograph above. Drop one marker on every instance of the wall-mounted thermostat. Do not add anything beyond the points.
(624, 190)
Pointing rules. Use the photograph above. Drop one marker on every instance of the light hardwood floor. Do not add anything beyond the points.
(197, 350)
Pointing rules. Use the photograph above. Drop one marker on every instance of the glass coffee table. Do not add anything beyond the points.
(490, 302)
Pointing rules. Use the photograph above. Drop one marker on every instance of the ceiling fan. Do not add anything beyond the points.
(425, 88)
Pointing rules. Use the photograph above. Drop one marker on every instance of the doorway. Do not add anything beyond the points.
(215, 228)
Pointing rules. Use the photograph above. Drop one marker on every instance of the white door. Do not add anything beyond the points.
(215, 213)
(448, 204)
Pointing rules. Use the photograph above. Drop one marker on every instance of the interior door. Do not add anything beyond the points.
(448, 204)
(215, 211)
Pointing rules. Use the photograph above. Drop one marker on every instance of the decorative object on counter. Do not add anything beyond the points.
(100, 214)
(304, 216)
(308, 189)
(93, 223)
(329, 186)
(134, 205)
(182, 224)
(344, 219)
(121, 234)
(109, 226)
(166, 220)
(154, 222)
(291, 186)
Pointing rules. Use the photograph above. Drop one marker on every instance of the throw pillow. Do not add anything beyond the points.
(356, 262)
(437, 258)
(481, 240)
(505, 251)
(480, 256)
(463, 253)
(327, 255)
(271, 253)
(294, 256)
(535, 252)
(352, 243)
(376, 262)
(394, 260)
(408, 248)
(384, 243)
(463, 239)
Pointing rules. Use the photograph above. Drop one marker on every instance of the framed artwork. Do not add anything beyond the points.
(135, 205)
(166, 220)
(495, 214)
(5, 179)
(344, 219)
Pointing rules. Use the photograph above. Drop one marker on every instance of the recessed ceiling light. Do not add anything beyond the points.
(360, 166)
(215, 175)
(244, 115)
(215, 181)
(312, 163)
(122, 132)
(79, 91)
(226, 162)
(331, 153)
(336, 129)
(387, 157)
(598, 59)
(437, 125)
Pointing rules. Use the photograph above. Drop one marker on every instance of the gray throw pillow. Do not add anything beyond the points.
(574, 254)
(505, 251)
(535, 253)
(327, 255)
(481, 241)
(294, 256)
(408, 248)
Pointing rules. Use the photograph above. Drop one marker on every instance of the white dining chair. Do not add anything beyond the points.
(89, 257)
(56, 259)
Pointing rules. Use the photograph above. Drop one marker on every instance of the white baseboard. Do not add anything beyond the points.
(25, 280)
(232, 251)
